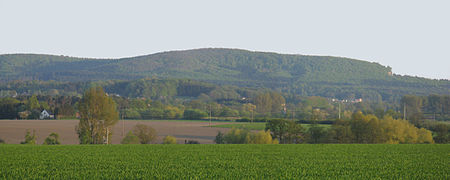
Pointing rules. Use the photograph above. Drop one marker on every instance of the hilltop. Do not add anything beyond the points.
(296, 74)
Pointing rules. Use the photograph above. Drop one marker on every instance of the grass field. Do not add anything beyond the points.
(225, 161)
(258, 126)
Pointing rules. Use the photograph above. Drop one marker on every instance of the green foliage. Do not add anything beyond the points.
(172, 112)
(169, 140)
(52, 139)
(220, 139)
(97, 116)
(369, 129)
(261, 137)
(9, 108)
(287, 132)
(244, 136)
(269, 103)
(228, 112)
(192, 142)
(316, 134)
(130, 138)
(325, 76)
(153, 113)
(146, 134)
(33, 103)
(236, 136)
(194, 114)
(132, 114)
(29, 138)
(209, 161)
(442, 133)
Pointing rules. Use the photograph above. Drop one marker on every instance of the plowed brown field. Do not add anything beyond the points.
(13, 131)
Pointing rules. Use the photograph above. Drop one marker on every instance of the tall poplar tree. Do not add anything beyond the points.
(98, 114)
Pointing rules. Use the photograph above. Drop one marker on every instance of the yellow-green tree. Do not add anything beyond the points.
(33, 103)
(369, 129)
(261, 137)
(169, 140)
(98, 114)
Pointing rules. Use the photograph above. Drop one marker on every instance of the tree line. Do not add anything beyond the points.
(98, 113)
(361, 129)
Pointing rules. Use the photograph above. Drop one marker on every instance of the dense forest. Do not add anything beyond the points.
(331, 77)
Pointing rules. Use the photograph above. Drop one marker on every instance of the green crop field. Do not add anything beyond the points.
(225, 161)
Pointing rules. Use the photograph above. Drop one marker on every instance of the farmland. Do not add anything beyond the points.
(225, 161)
(13, 131)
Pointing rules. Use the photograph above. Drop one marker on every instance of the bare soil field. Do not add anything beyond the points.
(13, 131)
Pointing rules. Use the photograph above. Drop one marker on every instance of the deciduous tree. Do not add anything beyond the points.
(146, 134)
(98, 114)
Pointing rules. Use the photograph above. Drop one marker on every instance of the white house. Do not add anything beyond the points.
(45, 115)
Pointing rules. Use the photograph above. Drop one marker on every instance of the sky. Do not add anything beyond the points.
(412, 37)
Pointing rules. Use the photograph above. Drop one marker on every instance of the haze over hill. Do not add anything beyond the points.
(300, 74)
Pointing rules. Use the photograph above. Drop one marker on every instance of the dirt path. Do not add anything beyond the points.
(13, 131)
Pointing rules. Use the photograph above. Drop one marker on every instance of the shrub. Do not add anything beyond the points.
(29, 139)
(130, 138)
(146, 134)
(170, 140)
(243, 136)
(192, 142)
(52, 139)
(219, 138)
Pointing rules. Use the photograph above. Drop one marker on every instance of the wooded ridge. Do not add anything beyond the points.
(294, 74)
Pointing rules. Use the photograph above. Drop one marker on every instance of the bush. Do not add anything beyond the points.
(219, 138)
(29, 139)
(52, 139)
(146, 134)
(170, 140)
(243, 136)
(130, 138)
(192, 142)
(2, 141)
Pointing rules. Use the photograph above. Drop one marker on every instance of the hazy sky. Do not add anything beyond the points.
(413, 37)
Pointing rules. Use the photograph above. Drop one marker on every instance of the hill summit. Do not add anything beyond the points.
(300, 74)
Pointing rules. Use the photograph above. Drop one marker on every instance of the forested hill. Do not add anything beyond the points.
(296, 74)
